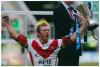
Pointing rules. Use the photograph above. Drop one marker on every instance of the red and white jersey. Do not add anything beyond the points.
(43, 55)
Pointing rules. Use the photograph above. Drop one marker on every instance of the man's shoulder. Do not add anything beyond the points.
(30, 41)
(59, 6)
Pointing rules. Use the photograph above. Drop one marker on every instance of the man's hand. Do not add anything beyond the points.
(5, 23)
(82, 21)
(83, 27)
(5, 20)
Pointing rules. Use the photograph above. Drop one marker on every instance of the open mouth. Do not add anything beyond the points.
(47, 36)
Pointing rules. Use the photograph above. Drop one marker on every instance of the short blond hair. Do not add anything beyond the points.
(41, 23)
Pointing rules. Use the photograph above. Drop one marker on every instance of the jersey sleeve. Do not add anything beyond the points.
(66, 41)
(22, 40)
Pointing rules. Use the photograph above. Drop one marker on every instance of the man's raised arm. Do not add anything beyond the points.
(19, 38)
(5, 22)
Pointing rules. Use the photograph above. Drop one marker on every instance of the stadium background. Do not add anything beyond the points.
(24, 15)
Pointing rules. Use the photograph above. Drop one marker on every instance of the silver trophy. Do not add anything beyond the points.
(84, 9)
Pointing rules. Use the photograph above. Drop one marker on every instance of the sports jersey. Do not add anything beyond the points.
(43, 55)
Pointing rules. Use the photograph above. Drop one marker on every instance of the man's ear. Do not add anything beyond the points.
(37, 33)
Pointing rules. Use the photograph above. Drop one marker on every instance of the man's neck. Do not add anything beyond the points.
(43, 41)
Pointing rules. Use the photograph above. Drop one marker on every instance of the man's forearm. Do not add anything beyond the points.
(12, 32)
(82, 29)
(19, 38)
(5, 23)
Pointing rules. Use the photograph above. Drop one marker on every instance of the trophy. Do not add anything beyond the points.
(86, 12)
(82, 8)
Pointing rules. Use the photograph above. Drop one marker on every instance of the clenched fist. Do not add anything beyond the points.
(5, 20)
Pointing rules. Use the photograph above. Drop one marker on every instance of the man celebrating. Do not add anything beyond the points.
(43, 52)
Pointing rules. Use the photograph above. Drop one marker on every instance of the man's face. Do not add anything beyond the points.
(44, 32)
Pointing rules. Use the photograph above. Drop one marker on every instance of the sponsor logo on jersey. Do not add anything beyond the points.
(45, 62)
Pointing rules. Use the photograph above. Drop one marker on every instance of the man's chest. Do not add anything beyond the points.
(45, 50)
(44, 55)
